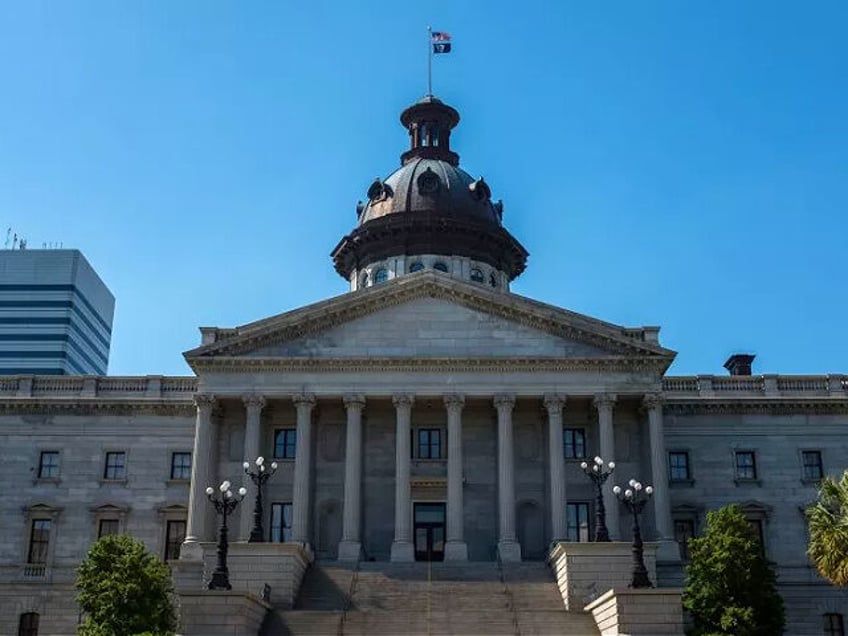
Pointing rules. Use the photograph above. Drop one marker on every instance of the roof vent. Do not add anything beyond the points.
(739, 363)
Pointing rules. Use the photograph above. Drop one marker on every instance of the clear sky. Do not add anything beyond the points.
(681, 164)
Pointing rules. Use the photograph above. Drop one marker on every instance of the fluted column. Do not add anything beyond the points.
(253, 405)
(605, 403)
(659, 469)
(350, 546)
(302, 468)
(508, 547)
(201, 470)
(402, 547)
(455, 548)
(554, 405)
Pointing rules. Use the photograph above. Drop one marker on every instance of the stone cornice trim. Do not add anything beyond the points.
(775, 406)
(78, 406)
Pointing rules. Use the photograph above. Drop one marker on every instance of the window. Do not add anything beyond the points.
(285, 443)
(683, 531)
(180, 465)
(833, 624)
(574, 443)
(175, 533)
(416, 267)
(381, 275)
(477, 275)
(28, 624)
(678, 466)
(48, 465)
(281, 522)
(441, 267)
(812, 465)
(116, 466)
(108, 526)
(577, 518)
(429, 443)
(363, 281)
(746, 466)
(493, 281)
(757, 530)
(39, 541)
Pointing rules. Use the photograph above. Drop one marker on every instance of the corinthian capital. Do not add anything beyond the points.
(604, 401)
(554, 403)
(454, 401)
(653, 400)
(403, 401)
(354, 401)
(254, 401)
(205, 402)
(304, 400)
(504, 401)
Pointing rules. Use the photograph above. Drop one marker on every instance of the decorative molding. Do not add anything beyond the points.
(94, 406)
(775, 406)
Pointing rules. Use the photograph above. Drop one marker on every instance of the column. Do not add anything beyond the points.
(659, 470)
(253, 405)
(508, 547)
(605, 404)
(554, 405)
(302, 468)
(455, 548)
(402, 547)
(196, 529)
(350, 546)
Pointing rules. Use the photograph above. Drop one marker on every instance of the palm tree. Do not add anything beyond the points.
(828, 519)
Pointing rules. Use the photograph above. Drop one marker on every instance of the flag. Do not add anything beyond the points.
(441, 42)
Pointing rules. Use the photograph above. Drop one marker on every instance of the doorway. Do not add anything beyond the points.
(429, 528)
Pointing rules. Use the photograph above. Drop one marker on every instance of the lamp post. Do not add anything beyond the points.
(224, 504)
(635, 497)
(599, 475)
(259, 477)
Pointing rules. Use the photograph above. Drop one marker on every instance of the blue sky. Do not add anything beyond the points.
(681, 164)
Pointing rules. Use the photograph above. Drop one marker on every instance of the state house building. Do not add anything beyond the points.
(428, 414)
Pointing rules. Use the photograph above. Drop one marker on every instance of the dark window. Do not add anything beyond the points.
(180, 465)
(746, 466)
(683, 531)
(477, 275)
(812, 465)
(834, 625)
(28, 625)
(440, 267)
(39, 540)
(757, 531)
(577, 517)
(381, 275)
(285, 443)
(429, 443)
(48, 465)
(175, 533)
(678, 466)
(416, 267)
(574, 443)
(108, 526)
(363, 282)
(492, 280)
(281, 522)
(116, 466)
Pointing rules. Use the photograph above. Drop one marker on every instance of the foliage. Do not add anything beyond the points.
(124, 591)
(730, 587)
(828, 519)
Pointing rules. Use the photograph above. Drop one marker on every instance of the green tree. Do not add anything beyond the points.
(828, 519)
(730, 587)
(124, 591)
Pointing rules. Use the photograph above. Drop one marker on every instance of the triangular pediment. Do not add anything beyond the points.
(426, 316)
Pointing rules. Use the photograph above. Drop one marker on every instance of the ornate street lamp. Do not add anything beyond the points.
(224, 506)
(635, 497)
(259, 477)
(599, 475)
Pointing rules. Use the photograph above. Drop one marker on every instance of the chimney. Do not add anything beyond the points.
(739, 363)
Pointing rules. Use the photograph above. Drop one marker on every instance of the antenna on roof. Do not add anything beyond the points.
(8, 233)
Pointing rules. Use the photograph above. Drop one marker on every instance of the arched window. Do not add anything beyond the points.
(381, 276)
(417, 266)
(28, 624)
(363, 281)
(493, 280)
(477, 275)
(440, 266)
(834, 625)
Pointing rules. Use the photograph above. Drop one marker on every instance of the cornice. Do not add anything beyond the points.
(773, 406)
(95, 406)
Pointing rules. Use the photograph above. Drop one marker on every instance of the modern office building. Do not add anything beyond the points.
(55, 314)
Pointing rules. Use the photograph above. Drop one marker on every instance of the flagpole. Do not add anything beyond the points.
(429, 62)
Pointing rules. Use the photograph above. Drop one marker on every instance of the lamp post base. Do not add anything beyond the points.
(220, 580)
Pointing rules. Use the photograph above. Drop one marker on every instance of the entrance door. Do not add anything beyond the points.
(429, 531)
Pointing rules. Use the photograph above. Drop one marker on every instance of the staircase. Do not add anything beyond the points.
(388, 599)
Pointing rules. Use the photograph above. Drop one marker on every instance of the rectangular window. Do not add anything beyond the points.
(48, 465)
(175, 533)
(746, 466)
(28, 624)
(108, 526)
(116, 466)
(812, 465)
(285, 443)
(577, 515)
(181, 466)
(574, 443)
(757, 531)
(678, 466)
(39, 540)
(683, 531)
(281, 522)
(429, 443)
(834, 625)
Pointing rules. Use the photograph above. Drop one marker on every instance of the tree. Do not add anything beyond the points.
(828, 519)
(730, 587)
(124, 591)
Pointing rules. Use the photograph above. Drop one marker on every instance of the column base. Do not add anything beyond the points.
(403, 552)
(456, 551)
(509, 551)
(350, 551)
